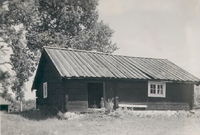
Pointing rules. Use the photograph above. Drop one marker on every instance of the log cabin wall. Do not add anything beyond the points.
(178, 95)
(128, 92)
(50, 75)
(76, 90)
(135, 92)
(132, 91)
(180, 92)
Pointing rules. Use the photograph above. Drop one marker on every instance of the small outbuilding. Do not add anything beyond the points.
(74, 80)
(4, 104)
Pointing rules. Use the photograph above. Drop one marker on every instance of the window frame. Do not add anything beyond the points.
(159, 86)
(45, 93)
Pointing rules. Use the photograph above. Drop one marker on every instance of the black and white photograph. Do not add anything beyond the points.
(99, 67)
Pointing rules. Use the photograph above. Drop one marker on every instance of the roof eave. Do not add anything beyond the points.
(142, 79)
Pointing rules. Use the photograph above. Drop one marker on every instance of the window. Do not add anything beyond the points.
(156, 89)
(45, 90)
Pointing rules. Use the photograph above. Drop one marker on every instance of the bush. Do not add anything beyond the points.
(198, 101)
(27, 105)
(14, 107)
(68, 115)
(109, 105)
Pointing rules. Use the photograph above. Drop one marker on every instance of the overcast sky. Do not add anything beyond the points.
(156, 28)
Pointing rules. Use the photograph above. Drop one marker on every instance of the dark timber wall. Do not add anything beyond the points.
(180, 92)
(55, 96)
(77, 93)
(128, 91)
(178, 95)
(132, 91)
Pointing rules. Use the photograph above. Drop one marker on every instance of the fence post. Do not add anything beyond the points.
(66, 103)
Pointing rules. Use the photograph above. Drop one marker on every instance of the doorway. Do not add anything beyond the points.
(95, 93)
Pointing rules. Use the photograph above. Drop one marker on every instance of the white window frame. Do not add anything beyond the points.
(158, 89)
(45, 90)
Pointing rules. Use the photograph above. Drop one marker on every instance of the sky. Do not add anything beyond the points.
(156, 28)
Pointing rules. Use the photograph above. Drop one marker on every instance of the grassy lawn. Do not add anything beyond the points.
(96, 123)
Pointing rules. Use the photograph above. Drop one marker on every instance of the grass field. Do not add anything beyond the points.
(96, 123)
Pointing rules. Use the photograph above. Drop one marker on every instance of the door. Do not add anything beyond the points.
(95, 93)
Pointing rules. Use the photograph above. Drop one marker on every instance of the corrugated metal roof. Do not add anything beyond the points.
(85, 64)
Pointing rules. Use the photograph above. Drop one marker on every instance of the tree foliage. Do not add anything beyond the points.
(5, 77)
(23, 64)
(69, 23)
(5, 82)
(60, 23)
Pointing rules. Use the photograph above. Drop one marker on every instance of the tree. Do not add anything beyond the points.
(69, 23)
(4, 76)
(23, 64)
(60, 23)
(4, 80)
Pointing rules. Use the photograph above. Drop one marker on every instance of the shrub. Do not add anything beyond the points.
(27, 105)
(109, 105)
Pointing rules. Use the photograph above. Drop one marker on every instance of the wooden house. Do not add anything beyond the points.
(74, 80)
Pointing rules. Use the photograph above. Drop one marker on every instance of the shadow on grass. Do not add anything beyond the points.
(35, 115)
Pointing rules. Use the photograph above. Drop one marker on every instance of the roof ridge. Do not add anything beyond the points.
(72, 49)
(103, 53)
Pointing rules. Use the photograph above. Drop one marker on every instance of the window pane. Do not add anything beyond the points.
(153, 86)
(45, 90)
(158, 91)
(161, 91)
(153, 89)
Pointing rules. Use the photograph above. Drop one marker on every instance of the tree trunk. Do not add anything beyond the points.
(21, 106)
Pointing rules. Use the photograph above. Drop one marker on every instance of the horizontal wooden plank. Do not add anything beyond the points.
(132, 105)
(78, 106)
